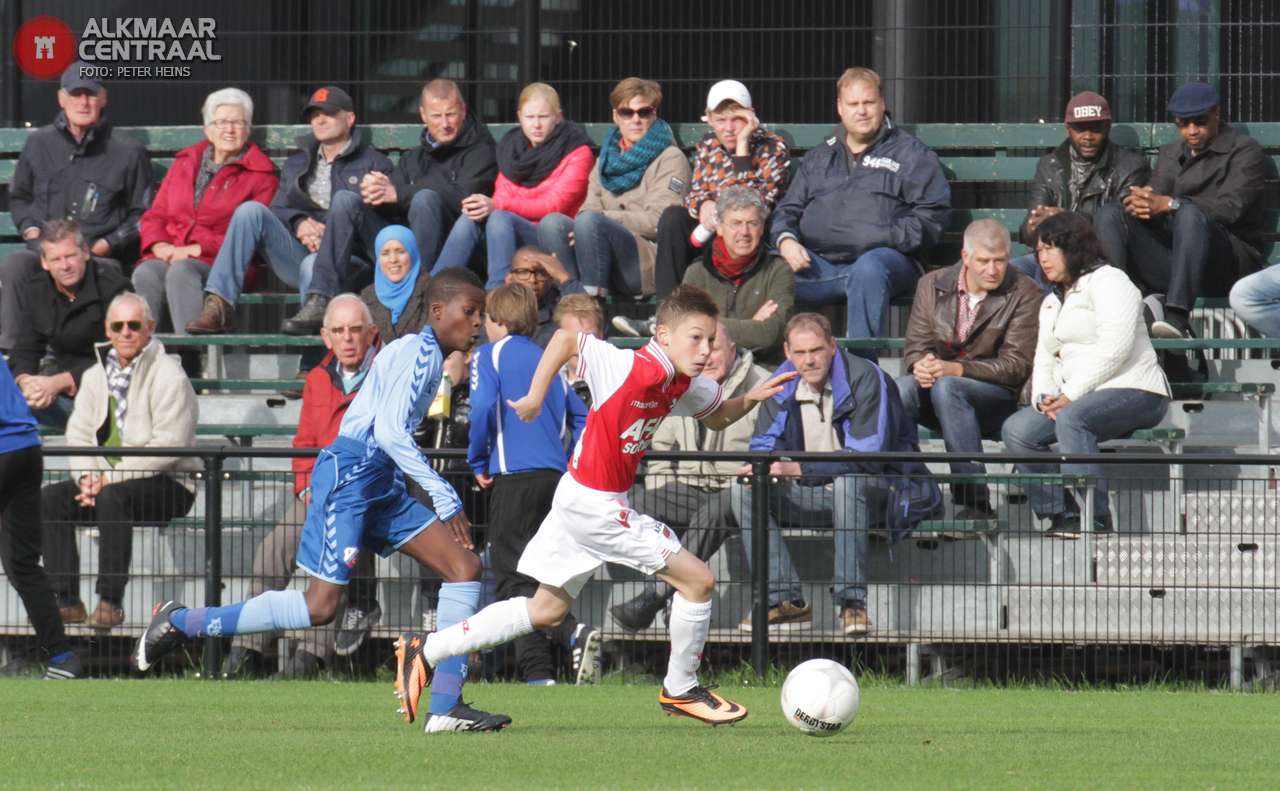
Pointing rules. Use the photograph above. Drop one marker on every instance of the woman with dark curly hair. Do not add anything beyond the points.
(1096, 376)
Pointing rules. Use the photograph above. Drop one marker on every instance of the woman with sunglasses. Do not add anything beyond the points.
(611, 243)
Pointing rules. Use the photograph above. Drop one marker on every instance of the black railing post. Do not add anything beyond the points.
(530, 41)
(760, 566)
(212, 555)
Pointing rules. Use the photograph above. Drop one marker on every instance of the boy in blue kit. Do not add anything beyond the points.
(523, 463)
(359, 503)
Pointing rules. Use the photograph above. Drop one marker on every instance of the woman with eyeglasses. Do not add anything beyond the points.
(184, 227)
(641, 171)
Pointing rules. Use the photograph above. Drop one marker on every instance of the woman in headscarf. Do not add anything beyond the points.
(398, 297)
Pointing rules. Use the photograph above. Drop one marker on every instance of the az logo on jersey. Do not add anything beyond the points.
(640, 434)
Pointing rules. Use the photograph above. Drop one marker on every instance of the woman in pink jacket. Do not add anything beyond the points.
(543, 167)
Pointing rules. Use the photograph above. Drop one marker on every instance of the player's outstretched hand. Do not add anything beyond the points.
(460, 528)
(526, 408)
(772, 387)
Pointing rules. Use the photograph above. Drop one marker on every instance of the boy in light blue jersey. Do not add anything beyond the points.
(359, 503)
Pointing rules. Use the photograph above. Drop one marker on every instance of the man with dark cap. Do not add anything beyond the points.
(75, 169)
(328, 165)
(1082, 174)
(1197, 228)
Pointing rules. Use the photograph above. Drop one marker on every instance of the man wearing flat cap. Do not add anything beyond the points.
(75, 169)
(1084, 173)
(1197, 228)
(329, 163)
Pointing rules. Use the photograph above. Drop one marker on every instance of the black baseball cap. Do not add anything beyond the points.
(72, 81)
(330, 99)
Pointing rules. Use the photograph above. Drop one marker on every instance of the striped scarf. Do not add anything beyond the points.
(118, 380)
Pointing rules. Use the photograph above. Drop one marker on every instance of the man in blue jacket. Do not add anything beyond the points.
(523, 463)
(839, 404)
(297, 228)
(861, 210)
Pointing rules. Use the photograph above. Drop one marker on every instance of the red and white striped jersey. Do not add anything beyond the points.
(631, 392)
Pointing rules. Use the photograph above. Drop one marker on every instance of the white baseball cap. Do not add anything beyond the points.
(727, 90)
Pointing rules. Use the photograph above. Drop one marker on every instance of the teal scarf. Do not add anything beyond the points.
(622, 170)
(394, 296)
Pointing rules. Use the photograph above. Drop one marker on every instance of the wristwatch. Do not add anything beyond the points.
(1174, 204)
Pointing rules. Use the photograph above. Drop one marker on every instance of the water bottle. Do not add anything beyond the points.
(700, 235)
(442, 405)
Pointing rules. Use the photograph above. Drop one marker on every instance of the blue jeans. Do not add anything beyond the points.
(965, 411)
(459, 245)
(254, 229)
(865, 286)
(846, 505)
(1096, 416)
(351, 226)
(1256, 299)
(505, 233)
(604, 255)
(1029, 265)
(56, 415)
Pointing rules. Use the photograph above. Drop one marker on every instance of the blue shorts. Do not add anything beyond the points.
(358, 503)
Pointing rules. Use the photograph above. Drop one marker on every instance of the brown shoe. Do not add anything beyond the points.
(73, 613)
(854, 620)
(107, 616)
(790, 614)
(216, 317)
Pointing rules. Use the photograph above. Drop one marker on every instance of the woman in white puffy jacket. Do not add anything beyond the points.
(1096, 376)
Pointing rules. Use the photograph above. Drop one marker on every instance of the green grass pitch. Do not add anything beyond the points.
(175, 734)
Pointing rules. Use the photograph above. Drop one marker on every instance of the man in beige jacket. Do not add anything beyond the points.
(693, 496)
(134, 396)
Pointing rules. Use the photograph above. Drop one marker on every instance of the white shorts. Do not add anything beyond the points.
(587, 528)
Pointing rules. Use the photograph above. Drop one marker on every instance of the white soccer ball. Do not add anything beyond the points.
(820, 697)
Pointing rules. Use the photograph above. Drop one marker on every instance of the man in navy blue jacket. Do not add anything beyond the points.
(305, 222)
(839, 404)
(523, 463)
(861, 210)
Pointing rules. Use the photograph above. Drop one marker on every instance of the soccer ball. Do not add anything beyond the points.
(820, 697)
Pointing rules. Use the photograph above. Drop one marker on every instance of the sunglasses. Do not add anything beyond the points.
(118, 326)
(627, 113)
(1199, 120)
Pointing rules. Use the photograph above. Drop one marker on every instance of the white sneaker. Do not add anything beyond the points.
(586, 654)
(464, 718)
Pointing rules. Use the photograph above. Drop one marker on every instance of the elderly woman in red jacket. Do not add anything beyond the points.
(184, 227)
(543, 168)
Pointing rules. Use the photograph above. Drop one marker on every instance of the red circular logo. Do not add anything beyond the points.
(44, 47)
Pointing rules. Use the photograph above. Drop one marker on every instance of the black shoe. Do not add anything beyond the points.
(303, 664)
(243, 663)
(64, 667)
(1065, 526)
(638, 613)
(161, 637)
(464, 718)
(355, 629)
(1174, 325)
(309, 318)
(1102, 524)
(586, 654)
(976, 513)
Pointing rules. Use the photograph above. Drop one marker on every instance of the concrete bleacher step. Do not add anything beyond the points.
(1254, 511)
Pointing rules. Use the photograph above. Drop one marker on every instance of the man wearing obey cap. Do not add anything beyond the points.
(1086, 171)
(1197, 228)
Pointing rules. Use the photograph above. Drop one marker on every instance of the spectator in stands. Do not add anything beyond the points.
(184, 228)
(21, 540)
(738, 151)
(449, 176)
(134, 396)
(63, 308)
(612, 242)
(693, 496)
(971, 342)
(579, 313)
(550, 282)
(1197, 228)
(331, 386)
(77, 169)
(522, 464)
(543, 167)
(1096, 376)
(839, 403)
(1256, 300)
(1082, 174)
(303, 223)
(397, 300)
(861, 210)
(753, 286)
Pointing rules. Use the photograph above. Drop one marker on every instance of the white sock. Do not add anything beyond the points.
(500, 622)
(689, 626)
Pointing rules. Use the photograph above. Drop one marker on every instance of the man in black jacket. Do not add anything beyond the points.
(1198, 227)
(1082, 174)
(430, 185)
(75, 169)
(325, 171)
(63, 309)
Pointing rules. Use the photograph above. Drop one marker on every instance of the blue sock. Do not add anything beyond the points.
(265, 612)
(458, 602)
